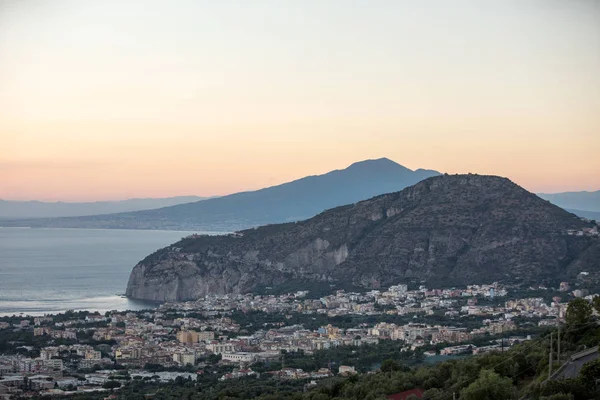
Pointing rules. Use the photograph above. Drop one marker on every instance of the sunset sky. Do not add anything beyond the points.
(117, 99)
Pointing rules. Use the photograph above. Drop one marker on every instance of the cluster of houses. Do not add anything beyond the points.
(188, 334)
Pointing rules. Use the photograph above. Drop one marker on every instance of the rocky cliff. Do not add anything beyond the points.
(444, 230)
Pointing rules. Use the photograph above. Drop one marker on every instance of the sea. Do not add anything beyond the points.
(48, 271)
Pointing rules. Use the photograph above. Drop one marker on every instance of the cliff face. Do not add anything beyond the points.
(444, 230)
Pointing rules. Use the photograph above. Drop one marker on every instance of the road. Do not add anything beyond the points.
(572, 369)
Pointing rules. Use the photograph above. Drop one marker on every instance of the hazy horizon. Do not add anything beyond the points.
(127, 99)
(203, 197)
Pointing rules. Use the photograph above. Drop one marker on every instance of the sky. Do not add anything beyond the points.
(113, 99)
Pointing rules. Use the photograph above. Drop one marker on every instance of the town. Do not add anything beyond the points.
(248, 335)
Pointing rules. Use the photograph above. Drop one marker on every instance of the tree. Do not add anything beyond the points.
(389, 366)
(579, 312)
(596, 303)
(419, 356)
(575, 387)
(110, 384)
(590, 372)
(489, 386)
(213, 358)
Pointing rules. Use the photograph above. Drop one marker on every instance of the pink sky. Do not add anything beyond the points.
(113, 100)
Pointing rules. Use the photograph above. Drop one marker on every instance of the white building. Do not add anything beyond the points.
(54, 363)
(239, 357)
(220, 348)
(346, 370)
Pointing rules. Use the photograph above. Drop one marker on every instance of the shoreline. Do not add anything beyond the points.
(108, 303)
(212, 233)
(46, 271)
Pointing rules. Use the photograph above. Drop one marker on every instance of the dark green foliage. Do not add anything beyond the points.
(596, 303)
(575, 387)
(590, 373)
(489, 386)
(110, 384)
(579, 312)
(389, 366)
(365, 358)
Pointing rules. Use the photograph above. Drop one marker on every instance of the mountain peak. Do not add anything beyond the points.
(378, 164)
(375, 161)
(291, 201)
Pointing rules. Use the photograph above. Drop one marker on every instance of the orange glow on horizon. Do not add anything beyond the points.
(107, 103)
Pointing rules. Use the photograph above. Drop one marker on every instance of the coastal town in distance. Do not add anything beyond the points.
(288, 337)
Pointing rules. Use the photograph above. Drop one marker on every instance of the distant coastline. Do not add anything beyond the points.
(101, 305)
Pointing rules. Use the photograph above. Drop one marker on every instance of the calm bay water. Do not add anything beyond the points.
(54, 270)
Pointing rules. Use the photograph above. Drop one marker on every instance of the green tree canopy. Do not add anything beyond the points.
(590, 372)
(110, 384)
(489, 386)
(596, 303)
(389, 365)
(579, 312)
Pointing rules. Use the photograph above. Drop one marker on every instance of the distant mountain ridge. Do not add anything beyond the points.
(591, 215)
(444, 230)
(292, 201)
(583, 201)
(41, 209)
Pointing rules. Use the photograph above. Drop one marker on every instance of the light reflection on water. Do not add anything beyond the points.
(100, 304)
